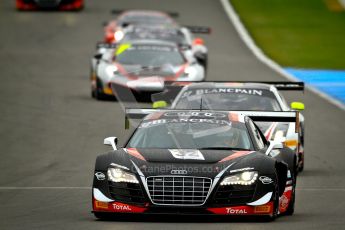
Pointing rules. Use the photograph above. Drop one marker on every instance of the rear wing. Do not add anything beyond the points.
(199, 29)
(105, 45)
(170, 13)
(172, 89)
(256, 116)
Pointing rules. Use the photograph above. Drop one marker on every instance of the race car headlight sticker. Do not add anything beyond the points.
(244, 178)
(111, 70)
(119, 175)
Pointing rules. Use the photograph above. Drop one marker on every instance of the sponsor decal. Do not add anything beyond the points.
(195, 114)
(262, 209)
(265, 180)
(100, 176)
(121, 207)
(243, 210)
(179, 172)
(284, 200)
(147, 124)
(187, 154)
(222, 90)
(236, 211)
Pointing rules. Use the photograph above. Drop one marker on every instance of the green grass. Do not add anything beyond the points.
(296, 33)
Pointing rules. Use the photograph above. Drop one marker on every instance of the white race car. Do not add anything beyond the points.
(141, 67)
(231, 96)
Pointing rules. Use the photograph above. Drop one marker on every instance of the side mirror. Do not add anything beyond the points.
(297, 106)
(112, 141)
(159, 104)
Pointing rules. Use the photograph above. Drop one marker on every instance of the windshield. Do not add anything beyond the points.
(191, 134)
(228, 99)
(150, 56)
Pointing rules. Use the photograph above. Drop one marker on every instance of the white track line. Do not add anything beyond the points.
(244, 35)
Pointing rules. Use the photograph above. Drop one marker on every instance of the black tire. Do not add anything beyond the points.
(98, 92)
(275, 200)
(291, 208)
(301, 163)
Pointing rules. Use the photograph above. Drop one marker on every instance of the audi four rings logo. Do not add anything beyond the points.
(265, 180)
(188, 114)
(179, 172)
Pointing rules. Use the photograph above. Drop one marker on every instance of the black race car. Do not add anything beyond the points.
(196, 162)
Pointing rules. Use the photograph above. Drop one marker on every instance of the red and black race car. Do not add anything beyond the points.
(196, 162)
(113, 30)
(49, 4)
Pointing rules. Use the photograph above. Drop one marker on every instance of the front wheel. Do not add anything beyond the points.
(291, 208)
(275, 200)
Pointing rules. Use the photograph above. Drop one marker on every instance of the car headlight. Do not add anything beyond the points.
(111, 70)
(244, 178)
(118, 35)
(119, 175)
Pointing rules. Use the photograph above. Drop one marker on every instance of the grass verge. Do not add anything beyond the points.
(296, 33)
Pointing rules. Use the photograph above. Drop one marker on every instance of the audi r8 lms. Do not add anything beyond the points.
(49, 4)
(113, 30)
(142, 67)
(245, 96)
(195, 162)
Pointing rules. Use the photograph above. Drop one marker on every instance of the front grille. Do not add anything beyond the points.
(178, 190)
(234, 194)
(127, 192)
(48, 3)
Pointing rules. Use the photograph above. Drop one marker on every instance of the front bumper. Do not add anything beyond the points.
(118, 207)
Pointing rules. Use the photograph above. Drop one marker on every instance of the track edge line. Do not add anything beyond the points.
(247, 39)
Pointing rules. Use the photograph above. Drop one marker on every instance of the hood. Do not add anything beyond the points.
(184, 155)
(165, 71)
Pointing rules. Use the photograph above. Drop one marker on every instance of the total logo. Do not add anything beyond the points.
(236, 211)
(121, 207)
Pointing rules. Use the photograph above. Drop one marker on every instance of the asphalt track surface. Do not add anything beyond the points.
(51, 130)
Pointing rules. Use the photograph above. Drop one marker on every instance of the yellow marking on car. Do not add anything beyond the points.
(123, 47)
(290, 143)
(262, 209)
(107, 90)
(100, 204)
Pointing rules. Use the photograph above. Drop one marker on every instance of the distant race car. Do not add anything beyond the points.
(242, 96)
(142, 67)
(196, 162)
(113, 30)
(49, 4)
(182, 36)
